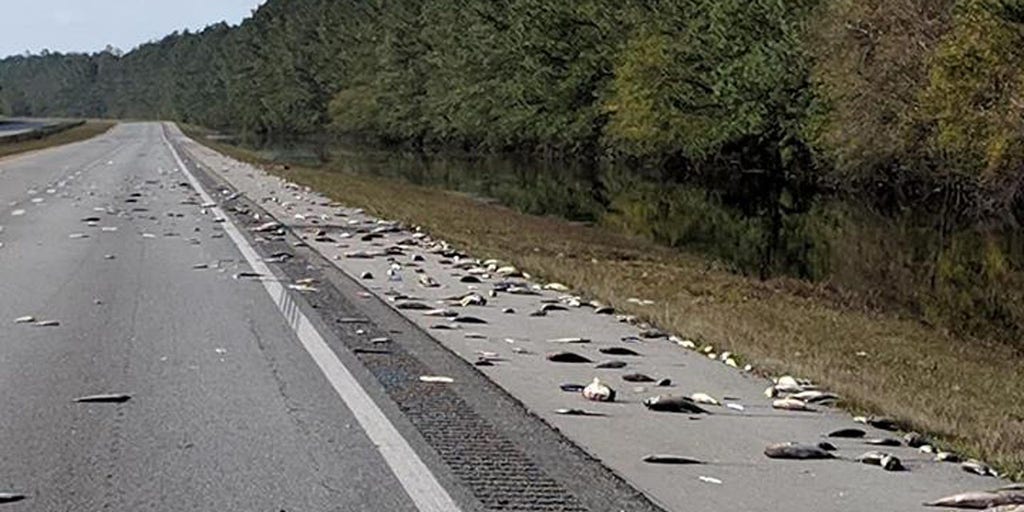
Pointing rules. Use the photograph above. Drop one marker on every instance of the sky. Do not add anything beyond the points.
(90, 25)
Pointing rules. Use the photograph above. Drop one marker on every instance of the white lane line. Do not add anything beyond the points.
(422, 487)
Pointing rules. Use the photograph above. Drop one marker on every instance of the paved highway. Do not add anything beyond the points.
(227, 411)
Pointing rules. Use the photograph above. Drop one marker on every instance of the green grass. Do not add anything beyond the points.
(84, 131)
(966, 393)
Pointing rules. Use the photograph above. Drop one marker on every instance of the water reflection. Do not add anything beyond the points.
(968, 277)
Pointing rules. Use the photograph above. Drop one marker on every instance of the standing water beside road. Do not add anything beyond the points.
(967, 276)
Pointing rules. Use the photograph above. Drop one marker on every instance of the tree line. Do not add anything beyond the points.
(908, 101)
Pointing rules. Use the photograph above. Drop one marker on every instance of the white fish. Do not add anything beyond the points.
(704, 398)
(791, 404)
(598, 392)
(437, 379)
(574, 340)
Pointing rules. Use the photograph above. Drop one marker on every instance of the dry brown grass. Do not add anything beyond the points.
(86, 131)
(969, 394)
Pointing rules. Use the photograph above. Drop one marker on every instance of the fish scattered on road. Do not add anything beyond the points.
(11, 497)
(671, 459)
(108, 398)
(436, 379)
(597, 391)
(797, 451)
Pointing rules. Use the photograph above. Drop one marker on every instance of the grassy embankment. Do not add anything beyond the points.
(84, 131)
(967, 393)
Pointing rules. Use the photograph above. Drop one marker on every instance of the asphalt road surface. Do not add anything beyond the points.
(228, 412)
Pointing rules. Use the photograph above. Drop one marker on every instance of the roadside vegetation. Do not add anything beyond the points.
(86, 130)
(966, 391)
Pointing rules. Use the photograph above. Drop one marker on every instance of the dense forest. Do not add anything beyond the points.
(914, 106)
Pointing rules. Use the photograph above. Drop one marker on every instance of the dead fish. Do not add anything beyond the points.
(618, 351)
(360, 255)
(886, 460)
(670, 459)
(353, 320)
(704, 398)
(200, 266)
(472, 300)
(892, 463)
(377, 351)
(604, 310)
(25, 319)
(978, 468)
(883, 423)
(884, 441)
(980, 499)
(428, 282)
(547, 308)
(465, 319)
(1006, 508)
(915, 440)
(848, 433)
(442, 313)
(815, 396)
(796, 451)
(669, 403)
(11, 497)
(110, 398)
(569, 340)
(637, 377)
(269, 226)
(790, 384)
(413, 305)
(436, 379)
(47, 323)
(610, 365)
(556, 287)
(596, 391)
(567, 357)
(569, 387)
(576, 412)
(791, 404)
(279, 257)
(248, 275)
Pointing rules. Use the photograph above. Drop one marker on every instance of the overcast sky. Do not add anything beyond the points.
(90, 25)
